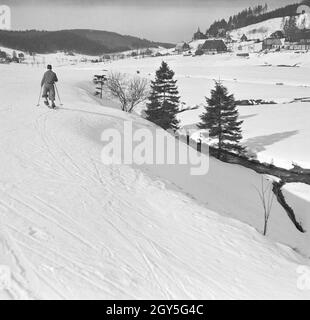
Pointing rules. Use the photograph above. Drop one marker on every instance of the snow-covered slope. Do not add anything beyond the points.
(263, 30)
(72, 227)
(194, 45)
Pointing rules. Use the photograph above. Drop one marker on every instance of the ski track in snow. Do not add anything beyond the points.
(73, 228)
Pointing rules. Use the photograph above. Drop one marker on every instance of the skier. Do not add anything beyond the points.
(47, 83)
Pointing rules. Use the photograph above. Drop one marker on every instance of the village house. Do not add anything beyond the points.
(277, 35)
(199, 35)
(297, 46)
(299, 41)
(182, 47)
(244, 38)
(301, 36)
(228, 38)
(271, 43)
(305, 41)
(213, 46)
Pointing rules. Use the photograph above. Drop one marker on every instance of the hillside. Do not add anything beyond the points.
(72, 227)
(252, 16)
(91, 42)
(116, 42)
(263, 30)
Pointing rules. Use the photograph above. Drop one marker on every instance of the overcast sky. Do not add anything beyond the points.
(159, 20)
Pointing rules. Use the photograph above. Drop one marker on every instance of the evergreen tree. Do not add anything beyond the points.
(251, 16)
(164, 99)
(290, 28)
(221, 119)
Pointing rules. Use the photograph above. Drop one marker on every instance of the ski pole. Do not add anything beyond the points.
(38, 105)
(58, 95)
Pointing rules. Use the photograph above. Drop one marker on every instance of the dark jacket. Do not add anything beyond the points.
(49, 78)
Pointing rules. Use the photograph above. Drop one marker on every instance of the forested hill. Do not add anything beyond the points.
(251, 16)
(92, 42)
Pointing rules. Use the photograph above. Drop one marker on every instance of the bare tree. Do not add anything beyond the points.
(129, 91)
(116, 85)
(266, 196)
(138, 92)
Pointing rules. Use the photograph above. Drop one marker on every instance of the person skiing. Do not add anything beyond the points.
(48, 82)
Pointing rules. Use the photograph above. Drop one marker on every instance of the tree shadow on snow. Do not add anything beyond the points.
(248, 116)
(259, 144)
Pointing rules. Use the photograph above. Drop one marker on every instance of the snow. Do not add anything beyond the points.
(72, 227)
(261, 30)
(298, 197)
(303, 21)
(195, 44)
(246, 46)
(303, 190)
(265, 29)
(284, 124)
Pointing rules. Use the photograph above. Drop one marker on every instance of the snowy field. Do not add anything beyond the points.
(71, 227)
(276, 133)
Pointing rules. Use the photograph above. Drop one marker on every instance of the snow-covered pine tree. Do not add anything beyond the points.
(164, 99)
(221, 119)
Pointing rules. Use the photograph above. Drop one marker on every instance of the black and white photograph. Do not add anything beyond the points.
(155, 150)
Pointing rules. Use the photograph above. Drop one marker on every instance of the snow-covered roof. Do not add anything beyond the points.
(182, 45)
(218, 45)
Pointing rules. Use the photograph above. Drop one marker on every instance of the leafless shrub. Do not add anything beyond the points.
(266, 196)
(129, 91)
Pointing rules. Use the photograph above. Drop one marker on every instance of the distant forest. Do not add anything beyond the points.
(91, 42)
(251, 16)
